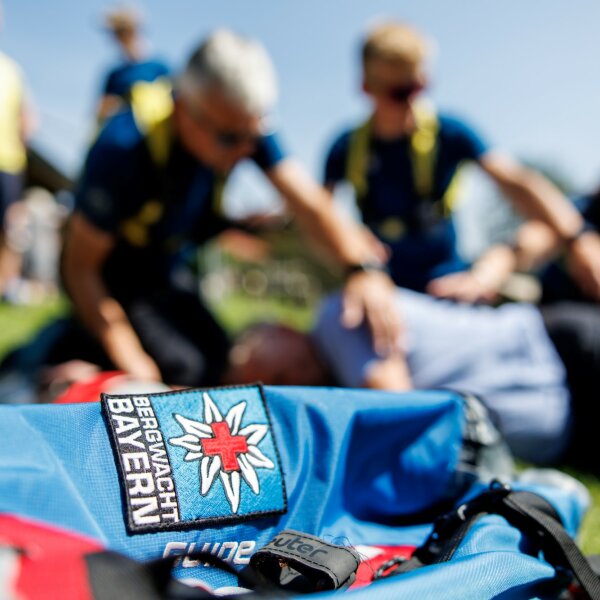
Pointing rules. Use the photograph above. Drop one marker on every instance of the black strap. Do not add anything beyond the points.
(528, 512)
(304, 563)
(291, 562)
(558, 547)
(113, 576)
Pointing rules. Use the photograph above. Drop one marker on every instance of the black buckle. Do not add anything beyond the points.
(389, 567)
(304, 563)
(486, 502)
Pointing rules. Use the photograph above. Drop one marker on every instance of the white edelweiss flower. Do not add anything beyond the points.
(224, 448)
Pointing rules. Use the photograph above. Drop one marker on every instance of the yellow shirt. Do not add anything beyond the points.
(12, 149)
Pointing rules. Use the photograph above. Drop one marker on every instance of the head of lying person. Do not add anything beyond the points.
(223, 98)
(276, 355)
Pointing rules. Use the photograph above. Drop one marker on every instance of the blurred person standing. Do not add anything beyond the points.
(124, 24)
(151, 190)
(16, 125)
(403, 164)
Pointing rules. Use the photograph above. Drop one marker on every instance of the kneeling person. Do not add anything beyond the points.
(150, 194)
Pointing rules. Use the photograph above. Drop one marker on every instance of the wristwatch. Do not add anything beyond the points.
(364, 267)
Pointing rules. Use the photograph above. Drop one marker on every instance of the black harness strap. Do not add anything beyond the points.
(528, 512)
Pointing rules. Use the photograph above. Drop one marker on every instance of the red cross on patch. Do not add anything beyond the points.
(225, 445)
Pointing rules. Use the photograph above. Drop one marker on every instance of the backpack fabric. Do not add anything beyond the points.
(231, 467)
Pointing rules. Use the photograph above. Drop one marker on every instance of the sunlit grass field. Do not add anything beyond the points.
(18, 323)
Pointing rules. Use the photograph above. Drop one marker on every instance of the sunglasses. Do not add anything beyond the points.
(227, 139)
(400, 93)
(233, 139)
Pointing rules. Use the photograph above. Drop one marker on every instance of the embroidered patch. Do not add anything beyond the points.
(194, 457)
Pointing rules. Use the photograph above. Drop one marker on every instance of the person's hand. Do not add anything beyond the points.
(369, 295)
(466, 286)
(583, 261)
(379, 251)
(141, 366)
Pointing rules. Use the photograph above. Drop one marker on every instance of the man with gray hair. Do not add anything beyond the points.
(151, 189)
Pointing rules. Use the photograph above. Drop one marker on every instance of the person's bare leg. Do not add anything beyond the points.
(11, 263)
(13, 242)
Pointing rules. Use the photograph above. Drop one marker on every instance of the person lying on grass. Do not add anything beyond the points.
(536, 371)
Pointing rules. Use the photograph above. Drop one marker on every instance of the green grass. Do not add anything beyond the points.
(240, 311)
(18, 323)
(590, 531)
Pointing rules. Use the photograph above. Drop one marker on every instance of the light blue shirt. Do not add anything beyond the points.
(503, 355)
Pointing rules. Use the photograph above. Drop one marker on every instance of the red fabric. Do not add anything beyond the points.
(374, 557)
(50, 563)
(90, 389)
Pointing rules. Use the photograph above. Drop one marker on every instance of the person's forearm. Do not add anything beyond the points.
(495, 266)
(390, 374)
(535, 244)
(105, 318)
(117, 335)
(318, 216)
(368, 291)
(538, 198)
(533, 195)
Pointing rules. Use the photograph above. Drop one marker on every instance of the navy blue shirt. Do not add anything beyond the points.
(120, 79)
(419, 255)
(122, 186)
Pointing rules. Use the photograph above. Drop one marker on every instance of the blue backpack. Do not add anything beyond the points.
(233, 485)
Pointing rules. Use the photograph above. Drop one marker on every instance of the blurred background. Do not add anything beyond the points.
(524, 74)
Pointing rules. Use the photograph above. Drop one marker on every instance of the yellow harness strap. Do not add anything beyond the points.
(152, 106)
(12, 150)
(452, 195)
(423, 154)
(423, 149)
(357, 159)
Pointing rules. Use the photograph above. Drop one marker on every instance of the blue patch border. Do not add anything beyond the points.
(134, 529)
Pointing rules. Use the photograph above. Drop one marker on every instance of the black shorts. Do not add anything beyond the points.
(175, 329)
(180, 334)
(574, 328)
(11, 190)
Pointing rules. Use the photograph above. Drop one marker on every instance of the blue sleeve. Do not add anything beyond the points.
(465, 142)
(160, 68)
(269, 152)
(589, 207)
(335, 163)
(111, 85)
(148, 71)
(348, 352)
(104, 189)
